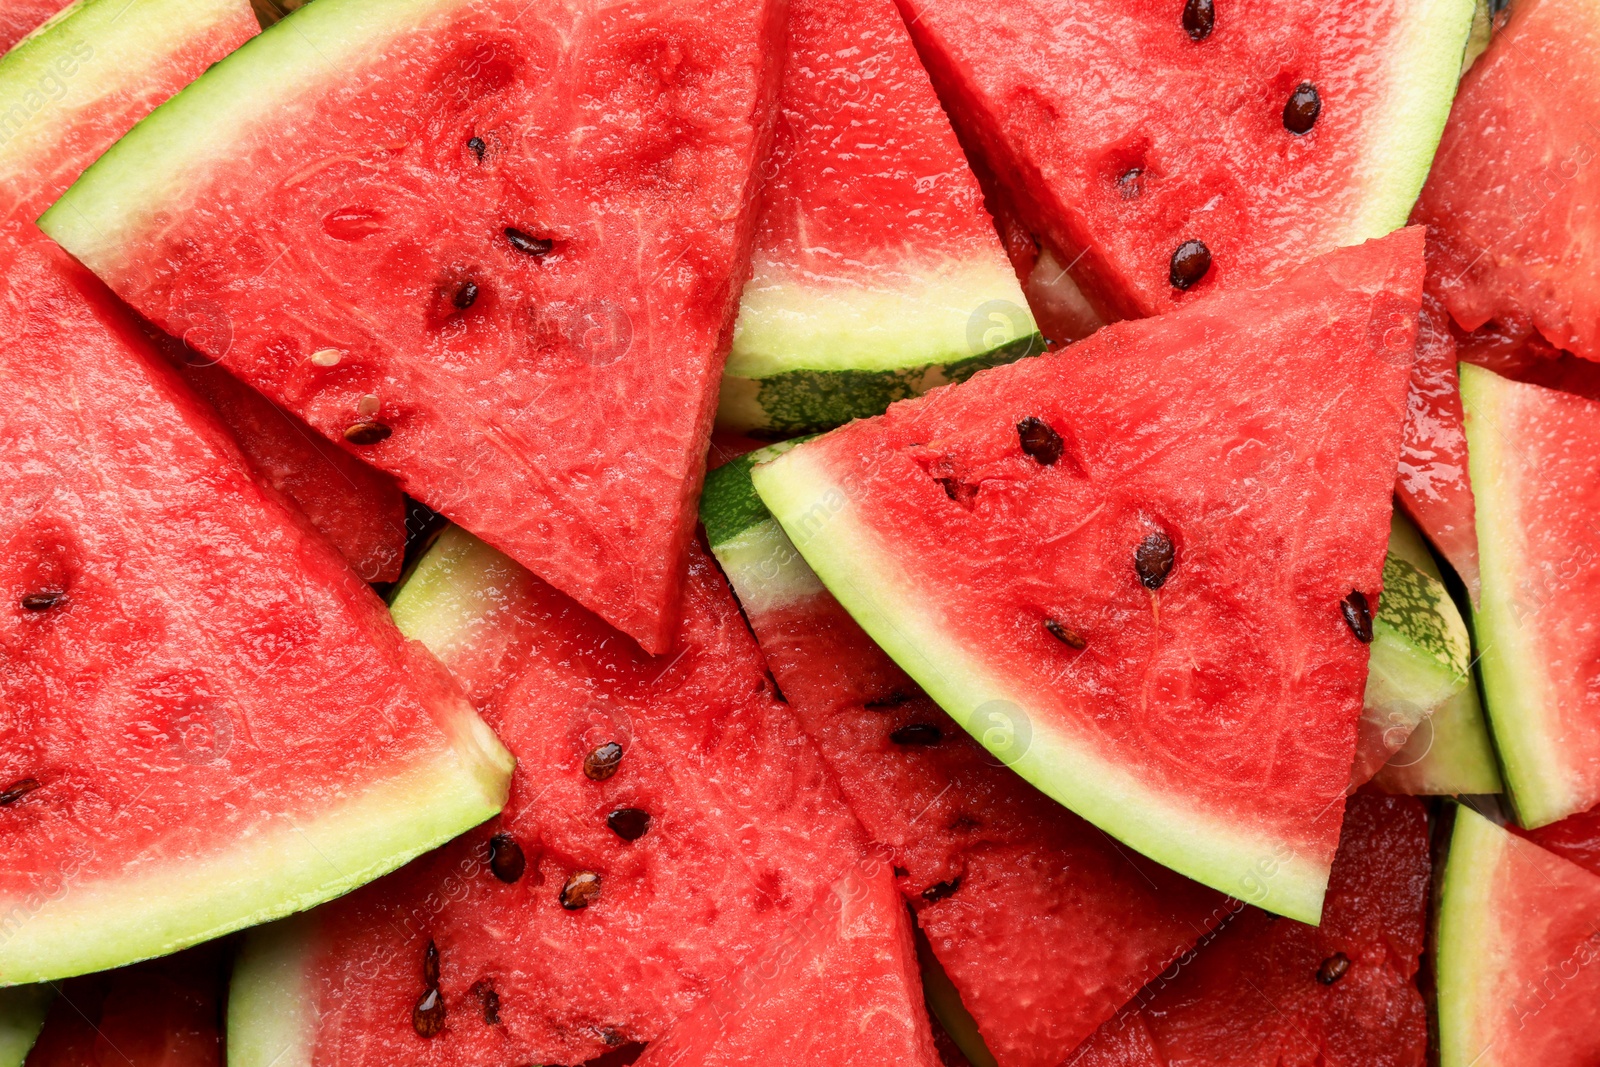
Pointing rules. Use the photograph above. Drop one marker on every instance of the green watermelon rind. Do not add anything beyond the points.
(1465, 920)
(22, 1014)
(271, 1005)
(853, 564)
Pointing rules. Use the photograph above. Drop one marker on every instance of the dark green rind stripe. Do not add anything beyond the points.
(729, 506)
(1411, 606)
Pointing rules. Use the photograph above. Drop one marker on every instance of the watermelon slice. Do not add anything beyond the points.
(1533, 452)
(493, 247)
(1167, 150)
(1080, 556)
(1517, 934)
(877, 273)
(1265, 993)
(612, 896)
(841, 989)
(1510, 201)
(1576, 837)
(1005, 882)
(22, 1013)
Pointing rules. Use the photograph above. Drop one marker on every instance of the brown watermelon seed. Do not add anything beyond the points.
(581, 890)
(366, 432)
(466, 296)
(506, 860)
(1071, 638)
(1302, 108)
(602, 763)
(1333, 968)
(1039, 440)
(1153, 560)
(630, 824)
(1190, 261)
(427, 1018)
(43, 600)
(478, 147)
(1199, 16)
(1131, 184)
(430, 966)
(917, 733)
(17, 790)
(527, 243)
(1358, 614)
(941, 890)
(484, 990)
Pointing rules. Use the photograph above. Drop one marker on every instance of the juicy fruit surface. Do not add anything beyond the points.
(1516, 948)
(1533, 472)
(1576, 838)
(1265, 992)
(745, 834)
(840, 989)
(1254, 437)
(1004, 881)
(1118, 164)
(1510, 201)
(190, 676)
(509, 237)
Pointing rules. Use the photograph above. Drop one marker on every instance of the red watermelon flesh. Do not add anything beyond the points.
(1123, 132)
(1510, 200)
(839, 989)
(493, 247)
(18, 18)
(1577, 837)
(1270, 992)
(1209, 717)
(745, 833)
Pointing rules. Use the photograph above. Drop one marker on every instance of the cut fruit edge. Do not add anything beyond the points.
(857, 569)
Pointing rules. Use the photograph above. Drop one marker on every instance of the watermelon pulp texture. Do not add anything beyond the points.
(21, 17)
(1532, 453)
(203, 704)
(841, 989)
(1004, 881)
(877, 274)
(1200, 453)
(495, 248)
(743, 831)
(1118, 165)
(1263, 993)
(1517, 927)
(1577, 837)
(1510, 200)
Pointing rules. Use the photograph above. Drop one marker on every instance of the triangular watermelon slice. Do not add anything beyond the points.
(1264, 992)
(877, 272)
(1166, 150)
(494, 247)
(1141, 570)
(668, 822)
(1014, 892)
(840, 989)
(1517, 933)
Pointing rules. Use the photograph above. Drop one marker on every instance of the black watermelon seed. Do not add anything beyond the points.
(1199, 16)
(466, 296)
(917, 733)
(941, 890)
(1333, 968)
(427, 1018)
(1039, 440)
(506, 860)
(1071, 638)
(1131, 184)
(527, 243)
(478, 147)
(893, 700)
(1302, 108)
(1358, 614)
(630, 824)
(491, 1007)
(430, 966)
(366, 432)
(581, 890)
(1189, 264)
(17, 790)
(603, 762)
(1153, 560)
(43, 600)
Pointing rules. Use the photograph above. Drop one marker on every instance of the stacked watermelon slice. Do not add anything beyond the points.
(1074, 694)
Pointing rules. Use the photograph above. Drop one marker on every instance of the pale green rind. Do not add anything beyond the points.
(1424, 65)
(761, 563)
(1448, 755)
(443, 594)
(100, 219)
(1466, 923)
(819, 516)
(272, 1005)
(1513, 686)
(944, 1004)
(22, 1013)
